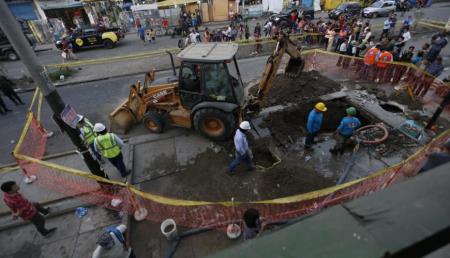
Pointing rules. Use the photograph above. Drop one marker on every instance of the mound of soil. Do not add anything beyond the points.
(308, 85)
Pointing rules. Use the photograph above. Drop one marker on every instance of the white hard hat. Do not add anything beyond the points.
(80, 118)
(99, 127)
(245, 125)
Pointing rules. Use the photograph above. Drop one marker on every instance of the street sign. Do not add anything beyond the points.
(69, 116)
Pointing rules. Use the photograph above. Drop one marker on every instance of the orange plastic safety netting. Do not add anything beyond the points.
(422, 86)
(95, 190)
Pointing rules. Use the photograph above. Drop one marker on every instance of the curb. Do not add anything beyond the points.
(63, 211)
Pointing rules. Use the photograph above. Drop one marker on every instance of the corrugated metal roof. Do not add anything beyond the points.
(209, 52)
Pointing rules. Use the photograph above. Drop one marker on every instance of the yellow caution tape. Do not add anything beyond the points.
(22, 135)
(39, 107)
(160, 52)
(432, 25)
(6, 170)
(36, 91)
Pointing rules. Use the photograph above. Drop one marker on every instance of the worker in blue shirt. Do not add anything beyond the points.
(314, 123)
(345, 130)
(243, 152)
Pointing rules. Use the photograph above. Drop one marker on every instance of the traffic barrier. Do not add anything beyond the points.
(190, 213)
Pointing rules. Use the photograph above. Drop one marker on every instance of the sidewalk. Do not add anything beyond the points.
(74, 238)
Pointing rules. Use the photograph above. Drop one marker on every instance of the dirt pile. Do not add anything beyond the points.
(307, 86)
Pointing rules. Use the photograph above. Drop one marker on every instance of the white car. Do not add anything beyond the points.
(379, 8)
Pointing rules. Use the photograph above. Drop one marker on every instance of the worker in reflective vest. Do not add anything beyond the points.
(383, 62)
(369, 61)
(110, 146)
(88, 135)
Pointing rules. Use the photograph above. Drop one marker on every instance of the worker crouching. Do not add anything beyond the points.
(345, 130)
(109, 145)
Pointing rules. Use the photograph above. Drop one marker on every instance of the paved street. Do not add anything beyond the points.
(103, 97)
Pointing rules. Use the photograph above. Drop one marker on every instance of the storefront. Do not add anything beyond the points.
(251, 8)
(105, 12)
(71, 13)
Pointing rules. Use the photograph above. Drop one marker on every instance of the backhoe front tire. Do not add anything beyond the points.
(214, 124)
(154, 122)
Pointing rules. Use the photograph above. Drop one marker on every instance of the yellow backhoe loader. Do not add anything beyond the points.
(207, 94)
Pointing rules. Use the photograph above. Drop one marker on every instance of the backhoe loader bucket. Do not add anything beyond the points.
(129, 112)
(294, 67)
(122, 118)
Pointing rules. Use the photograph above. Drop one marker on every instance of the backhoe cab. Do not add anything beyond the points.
(207, 94)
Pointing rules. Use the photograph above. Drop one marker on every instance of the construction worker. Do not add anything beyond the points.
(369, 62)
(109, 145)
(243, 152)
(382, 64)
(345, 130)
(87, 134)
(314, 123)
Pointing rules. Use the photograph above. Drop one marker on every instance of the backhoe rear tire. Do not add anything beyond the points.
(154, 122)
(214, 124)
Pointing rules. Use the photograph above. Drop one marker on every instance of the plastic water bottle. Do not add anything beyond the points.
(81, 211)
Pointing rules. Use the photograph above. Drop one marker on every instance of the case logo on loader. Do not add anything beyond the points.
(158, 96)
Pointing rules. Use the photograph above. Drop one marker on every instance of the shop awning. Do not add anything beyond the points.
(23, 11)
(168, 3)
(60, 5)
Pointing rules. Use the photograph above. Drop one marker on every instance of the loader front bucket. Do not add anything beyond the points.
(121, 119)
(294, 67)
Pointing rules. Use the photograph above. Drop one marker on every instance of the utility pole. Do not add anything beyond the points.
(15, 35)
(438, 111)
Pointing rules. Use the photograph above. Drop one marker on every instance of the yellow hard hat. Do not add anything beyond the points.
(321, 106)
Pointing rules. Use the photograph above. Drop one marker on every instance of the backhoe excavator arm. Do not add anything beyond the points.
(293, 69)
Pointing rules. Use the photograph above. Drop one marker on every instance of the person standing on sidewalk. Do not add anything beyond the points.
(87, 134)
(6, 86)
(314, 123)
(110, 146)
(23, 208)
(257, 35)
(113, 244)
(243, 152)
